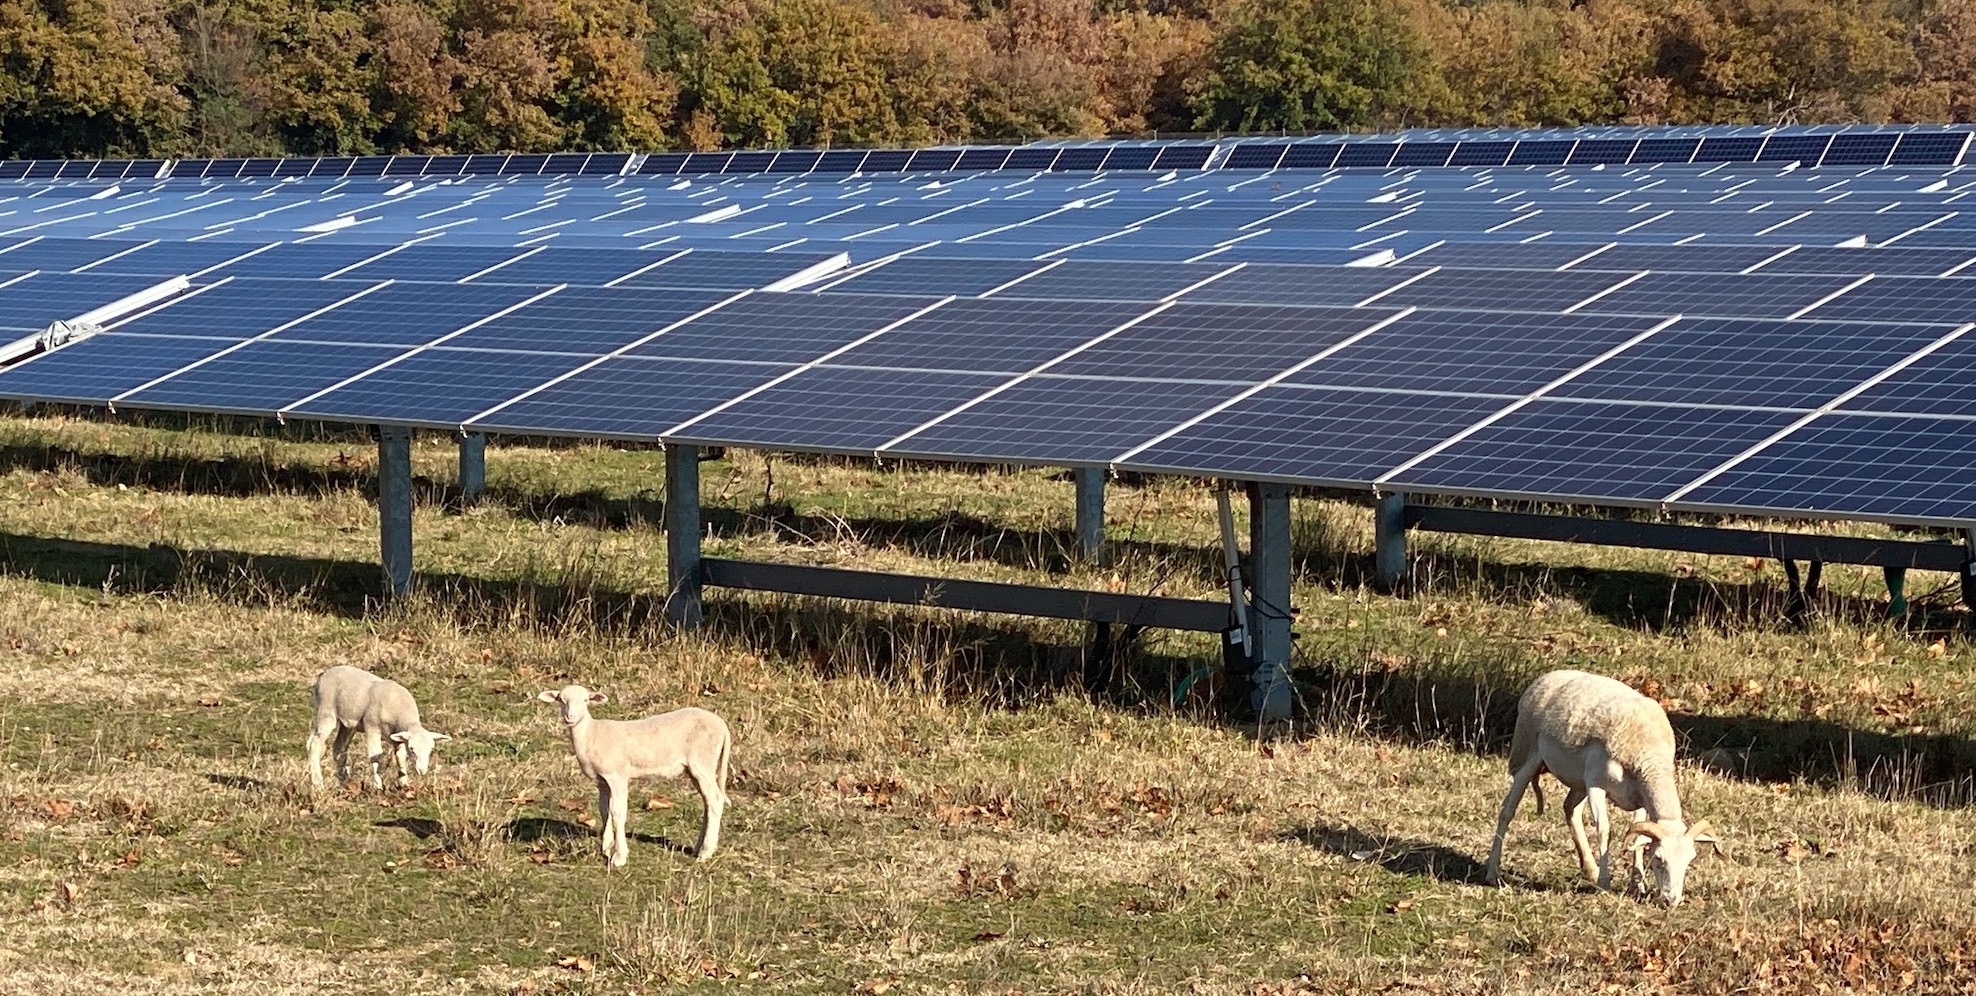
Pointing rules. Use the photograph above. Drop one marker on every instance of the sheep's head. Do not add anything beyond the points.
(1669, 850)
(574, 701)
(420, 742)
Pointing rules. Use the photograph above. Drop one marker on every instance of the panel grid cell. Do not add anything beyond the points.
(939, 276)
(96, 369)
(782, 328)
(1473, 353)
(1267, 283)
(990, 334)
(1753, 295)
(1065, 420)
(1869, 466)
(1093, 280)
(1501, 290)
(260, 378)
(1220, 342)
(839, 410)
(441, 387)
(629, 397)
(715, 270)
(406, 314)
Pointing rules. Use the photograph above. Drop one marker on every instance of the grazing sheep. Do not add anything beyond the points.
(349, 699)
(1603, 740)
(613, 752)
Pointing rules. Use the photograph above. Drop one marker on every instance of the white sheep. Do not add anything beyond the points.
(612, 752)
(1603, 740)
(349, 699)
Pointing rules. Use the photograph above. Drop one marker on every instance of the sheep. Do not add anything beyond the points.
(1603, 740)
(613, 752)
(348, 699)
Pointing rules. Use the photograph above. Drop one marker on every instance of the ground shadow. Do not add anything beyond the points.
(418, 826)
(239, 782)
(1400, 855)
(538, 829)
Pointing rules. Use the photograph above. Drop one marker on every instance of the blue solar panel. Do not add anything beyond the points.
(168, 259)
(442, 387)
(1678, 259)
(588, 320)
(1859, 150)
(1525, 256)
(1885, 262)
(839, 409)
(630, 397)
(1723, 149)
(782, 328)
(432, 262)
(577, 267)
(407, 314)
(1592, 451)
(1540, 153)
(1321, 436)
(239, 309)
(1423, 154)
(1666, 150)
(1066, 420)
(1868, 466)
(61, 254)
(1902, 299)
(34, 303)
(1929, 148)
(261, 377)
(939, 276)
(1595, 150)
(715, 270)
(1367, 154)
(96, 369)
(1095, 280)
(1750, 364)
(1311, 155)
(300, 259)
(1807, 149)
(991, 334)
(1941, 383)
(1220, 342)
(1501, 290)
(1481, 153)
(1753, 295)
(1252, 156)
(1264, 283)
(1474, 353)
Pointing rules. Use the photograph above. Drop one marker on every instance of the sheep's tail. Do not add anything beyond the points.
(721, 765)
(1522, 747)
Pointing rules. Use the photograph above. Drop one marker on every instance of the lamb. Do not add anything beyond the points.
(1603, 740)
(348, 699)
(613, 752)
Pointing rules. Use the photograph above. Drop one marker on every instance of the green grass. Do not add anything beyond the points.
(924, 801)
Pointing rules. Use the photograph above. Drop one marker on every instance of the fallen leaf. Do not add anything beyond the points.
(571, 805)
(578, 963)
(209, 701)
(876, 986)
(1793, 852)
(989, 935)
(69, 890)
(441, 858)
(1363, 855)
(1400, 906)
(658, 802)
(130, 860)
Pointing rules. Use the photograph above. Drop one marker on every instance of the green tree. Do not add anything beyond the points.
(75, 80)
(1311, 64)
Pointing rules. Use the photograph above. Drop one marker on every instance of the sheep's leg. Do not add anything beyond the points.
(606, 837)
(1574, 814)
(403, 755)
(708, 782)
(1603, 819)
(1521, 780)
(341, 748)
(374, 749)
(620, 818)
(318, 736)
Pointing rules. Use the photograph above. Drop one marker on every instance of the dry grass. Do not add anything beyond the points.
(924, 801)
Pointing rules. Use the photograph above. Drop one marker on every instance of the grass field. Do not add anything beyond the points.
(924, 801)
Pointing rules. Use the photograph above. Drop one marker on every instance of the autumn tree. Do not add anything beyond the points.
(1311, 64)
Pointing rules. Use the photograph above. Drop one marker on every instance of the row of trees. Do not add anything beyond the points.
(239, 77)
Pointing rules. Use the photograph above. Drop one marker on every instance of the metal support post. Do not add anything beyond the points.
(1090, 511)
(1969, 568)
(394, 507)
(1269, 599)
(1896, 593)
(1389, 532)
(682, 524)
(473, 466)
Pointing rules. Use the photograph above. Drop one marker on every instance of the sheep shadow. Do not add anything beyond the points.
(240, 783)
(417, 826)
(1401, 856)
(544, 830)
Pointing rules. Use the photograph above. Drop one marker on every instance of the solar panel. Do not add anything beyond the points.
(1367, 154)
(1311, 155)
(1665, 150)
(1807, 149)
(629, 397)
(1592, 451)
(1678, 259)
(990, 334)
(1423, 154)
(1865, 466)
(1132, 157)
(587, 320)
(1030, 160)
(838, 409)
(1750, 363)
(1253, 156)
(1941, 383)
(1501, 290)
(61, 254)
(1094, 280)
(1540, 153)
(1079, 159)
(93, 370)
(432, 263)
(441, 386)
(1470, 352)
(839, 161)
(239, 309)
(1859, 150)
(33, 304)
(1525, 256)
(1593, 151)
(782, 328)
(1065, 420)
(1898, 299)
(926, 160)
(1264, 283)
(1183, 157)
(299, 259)
(1220, 342)
(168, 259)
(939, 276)
(1753, 295)
(1885, 262)
(715, 270)
(1481, 153)
(559, 265)
(1319, 436)
(261, 377)
(1929, 148)
(406, 314)
(1723, 149)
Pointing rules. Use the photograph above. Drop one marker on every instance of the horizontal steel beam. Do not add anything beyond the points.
(1920, 555)
(972, 596)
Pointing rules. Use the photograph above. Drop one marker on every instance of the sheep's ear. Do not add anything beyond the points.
(400, 737)
(440, 738)
(545, 696)
(599, 698)
(1648, 828)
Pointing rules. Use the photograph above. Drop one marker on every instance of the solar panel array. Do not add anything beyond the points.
(1765, 322)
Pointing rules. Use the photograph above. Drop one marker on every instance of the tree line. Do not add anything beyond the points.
(270, 77)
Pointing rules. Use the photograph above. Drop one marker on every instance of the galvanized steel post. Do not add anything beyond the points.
(1269, 599)
(1389, 533)
(473, 466)
(394, 507)
(1090, 511)
(682, 525)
